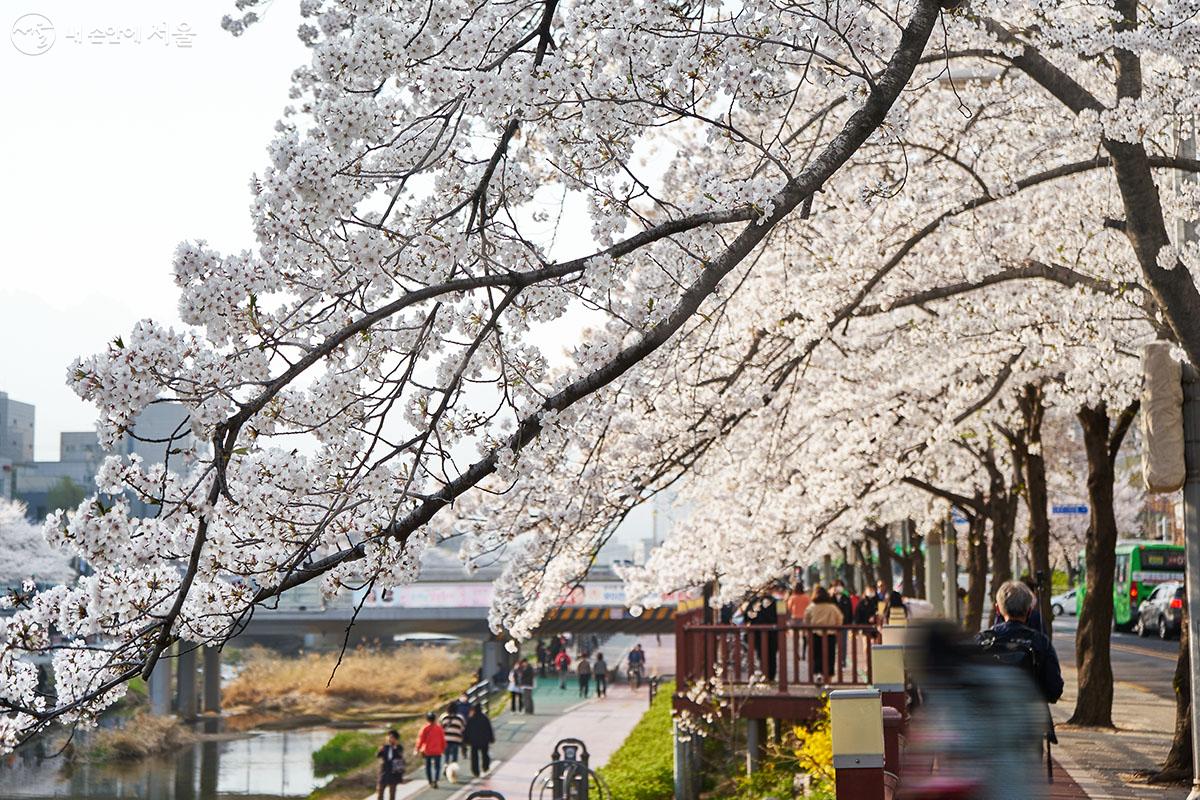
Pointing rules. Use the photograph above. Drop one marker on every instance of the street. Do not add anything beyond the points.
(1147, 663)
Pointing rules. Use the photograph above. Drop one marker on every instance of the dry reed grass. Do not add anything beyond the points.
(408, 677)
(142, 735)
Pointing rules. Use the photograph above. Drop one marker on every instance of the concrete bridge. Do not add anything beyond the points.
(444, 601)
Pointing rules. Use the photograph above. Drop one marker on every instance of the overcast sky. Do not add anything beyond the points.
(113, 153)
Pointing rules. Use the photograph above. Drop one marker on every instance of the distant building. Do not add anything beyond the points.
(41, 485)
(154, 429)
(45, 486)
(16, 430)
(75, 446)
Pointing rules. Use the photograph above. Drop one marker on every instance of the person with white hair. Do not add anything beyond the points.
(1015, 642)
(1012, 642)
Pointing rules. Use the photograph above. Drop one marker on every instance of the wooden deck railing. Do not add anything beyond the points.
(776, 657)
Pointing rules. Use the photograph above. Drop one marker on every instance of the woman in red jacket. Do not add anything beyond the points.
(431, 743)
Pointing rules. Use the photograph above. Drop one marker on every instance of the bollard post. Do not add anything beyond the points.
(569, 776)
(887, 675)
(893, 635)
(856, 722)
(687, 763)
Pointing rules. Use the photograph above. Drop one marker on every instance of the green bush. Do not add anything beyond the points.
(642, 768)
(346, 750)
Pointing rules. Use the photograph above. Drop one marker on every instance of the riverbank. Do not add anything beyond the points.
(368, 686)
(280, 710)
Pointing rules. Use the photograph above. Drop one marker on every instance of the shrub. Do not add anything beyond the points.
(345, 751)
(642, 768)
(805, 751)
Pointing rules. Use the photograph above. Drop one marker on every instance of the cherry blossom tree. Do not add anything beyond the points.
(24, 554)
(372, 363)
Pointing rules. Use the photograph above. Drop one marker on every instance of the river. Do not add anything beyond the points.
(261, 765)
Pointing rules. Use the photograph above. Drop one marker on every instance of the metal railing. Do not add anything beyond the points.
(778, 656)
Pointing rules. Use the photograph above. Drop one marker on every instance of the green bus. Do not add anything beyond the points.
(1140, 567)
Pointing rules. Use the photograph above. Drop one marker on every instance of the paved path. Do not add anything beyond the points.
(1111, 765)
(525, 742)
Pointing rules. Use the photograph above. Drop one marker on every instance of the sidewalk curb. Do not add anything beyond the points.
(1088, 781)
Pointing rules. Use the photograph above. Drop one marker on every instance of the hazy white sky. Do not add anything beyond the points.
(113, 153)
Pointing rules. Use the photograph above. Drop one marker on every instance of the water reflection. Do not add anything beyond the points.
(273, 764)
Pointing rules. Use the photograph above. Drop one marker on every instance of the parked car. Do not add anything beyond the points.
(1162, 611)
(1064, 603)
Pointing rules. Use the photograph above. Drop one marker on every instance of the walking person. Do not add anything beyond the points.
(431, 743)
(600, 670)
(452, 726)
(514, 687)
(823, 613)
(391, 764)
(542, 656)
(527, 677)
(479, 735)
(1014, 643)
(584, 670)
(562, 662)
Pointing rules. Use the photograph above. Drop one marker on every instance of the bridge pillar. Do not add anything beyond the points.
(159, 688)
(185, 679)
(495, 658)
(185, 774)
(210, 768)
(212, 680)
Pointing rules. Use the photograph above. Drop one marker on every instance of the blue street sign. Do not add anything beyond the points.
(1069, 509)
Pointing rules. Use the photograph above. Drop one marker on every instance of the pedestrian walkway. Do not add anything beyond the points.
(601, 723)
(1113, 765)
(525, 742)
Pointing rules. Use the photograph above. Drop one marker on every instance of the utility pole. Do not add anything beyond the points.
(1191, 528)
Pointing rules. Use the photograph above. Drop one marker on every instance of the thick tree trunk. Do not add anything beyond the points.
(864, 560)
(1036, 495)
(883, 546)
(1178, 764)
(1093, 705)
(977, 569)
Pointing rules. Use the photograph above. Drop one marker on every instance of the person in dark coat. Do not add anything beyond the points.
(867, 607)
(391, 764)
(763, 611)
(479, 736)
(528, 679)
